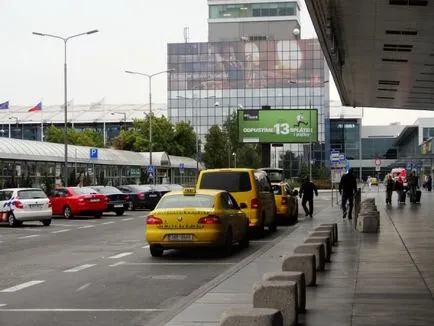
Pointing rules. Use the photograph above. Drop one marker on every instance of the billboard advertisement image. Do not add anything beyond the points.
(278, 126)
(245, 65)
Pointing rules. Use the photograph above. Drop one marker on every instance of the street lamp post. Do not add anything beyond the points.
(65, 132)
(150, 104)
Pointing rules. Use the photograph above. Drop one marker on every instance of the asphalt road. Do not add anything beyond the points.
(98, 272)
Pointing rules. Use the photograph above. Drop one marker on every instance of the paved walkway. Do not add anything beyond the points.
(386, 278)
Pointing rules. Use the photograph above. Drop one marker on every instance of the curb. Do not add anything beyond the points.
(182, 304)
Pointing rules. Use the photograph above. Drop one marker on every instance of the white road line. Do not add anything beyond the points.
(81, 288)
(174, 264)
(61, 231)
(2, 304)
(121, 255)
(86, 226)
(64, 224)
(79, 268)
(30, 236)
(105, 223)
(145, 247)
(81, 310)
(168, 277)
(128, 219)
(22, 286)
(117, 264)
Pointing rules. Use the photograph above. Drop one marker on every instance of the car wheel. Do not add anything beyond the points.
(245, 241)
(46, 222)
(97, 215)
(120, 212)
(131, 206)
(13, 222)
(156, 251)
(226, 249)
(273, 226)
(67, 213)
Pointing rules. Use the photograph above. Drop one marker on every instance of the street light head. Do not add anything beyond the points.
(216, 104)
(36, 33)
(129, 72)
(93, 31)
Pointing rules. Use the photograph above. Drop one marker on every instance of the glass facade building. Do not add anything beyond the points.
(211, 80)
(242, 10)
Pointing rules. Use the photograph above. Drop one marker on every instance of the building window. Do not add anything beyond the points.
(253, 10)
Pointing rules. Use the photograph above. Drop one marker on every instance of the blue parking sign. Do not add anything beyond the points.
(93, 153)
(181, 168)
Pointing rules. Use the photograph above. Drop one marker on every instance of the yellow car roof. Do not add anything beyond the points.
(209, 192)
(229, 170)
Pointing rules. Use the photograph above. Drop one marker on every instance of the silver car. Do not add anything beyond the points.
(24, 204)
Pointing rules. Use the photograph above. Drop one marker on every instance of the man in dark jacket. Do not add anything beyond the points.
(307, 190)
(348, 187)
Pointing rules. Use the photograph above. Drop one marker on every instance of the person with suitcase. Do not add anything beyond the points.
(390, 185)
(413, 183)
(399, 187)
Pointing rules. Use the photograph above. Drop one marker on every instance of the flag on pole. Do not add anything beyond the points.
(4, 106)
(38, 107)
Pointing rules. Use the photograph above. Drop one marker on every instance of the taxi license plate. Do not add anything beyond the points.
(118, 205)
(152, 196)
(94, 200)
(180, 237)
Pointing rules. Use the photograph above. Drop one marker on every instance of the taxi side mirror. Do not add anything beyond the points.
(243, 205)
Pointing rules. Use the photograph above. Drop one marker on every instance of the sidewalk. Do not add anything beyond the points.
(386, 278)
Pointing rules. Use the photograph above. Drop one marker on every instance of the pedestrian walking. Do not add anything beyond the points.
(413, 183)
(399, 187)
(390, 186)
(347, 188)
(307, 190)
(429, 183)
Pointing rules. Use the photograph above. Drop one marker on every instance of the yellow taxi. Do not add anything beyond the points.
(196, 218)
(286, 202)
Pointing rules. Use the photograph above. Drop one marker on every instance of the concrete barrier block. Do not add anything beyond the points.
(325, 241)
(251, 317)
(323, 233)
(313, 248)
(305, 263)
(297, 277)
(369, 223)
(335, 230)
(280, 295)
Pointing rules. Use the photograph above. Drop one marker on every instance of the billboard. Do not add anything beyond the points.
(426, 147)
(244, 65)
(278, 126)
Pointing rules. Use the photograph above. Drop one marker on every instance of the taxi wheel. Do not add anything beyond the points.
(156, 251)
(46, 222)
(245, 241)
(227, 246)
(120, 212)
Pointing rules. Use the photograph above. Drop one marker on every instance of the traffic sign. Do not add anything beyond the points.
(409, 166)
(151, 170)
(181, 168)
(334, 156)
(93, 153)
(377, 162)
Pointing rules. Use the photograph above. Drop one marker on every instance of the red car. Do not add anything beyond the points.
(70, 201)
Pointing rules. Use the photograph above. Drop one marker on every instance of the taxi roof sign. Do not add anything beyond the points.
(189, 191)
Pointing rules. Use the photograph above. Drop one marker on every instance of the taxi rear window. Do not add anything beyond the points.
(31, 194)
(277, 189)
(181, 201)
(229, 181)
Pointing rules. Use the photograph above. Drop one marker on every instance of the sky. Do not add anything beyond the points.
(133, 35)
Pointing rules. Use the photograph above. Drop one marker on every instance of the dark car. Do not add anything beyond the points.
(141, 196)
(162, 190)
(117, 201)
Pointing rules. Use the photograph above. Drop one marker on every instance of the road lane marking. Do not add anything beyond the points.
(128, 219)
(82, 310)
(168, 277)
(105, 223)
(86, 226)
(79, 268)
(30, 236)
(61, 231)
(121, 255)
(22, 286)
(117, 264)
(2, 304)
(85, 286)
(145, 247)
(64, 224)
(174, 264)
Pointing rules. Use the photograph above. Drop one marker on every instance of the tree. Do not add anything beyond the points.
(215, 148)
(184, 140)
(86, 137)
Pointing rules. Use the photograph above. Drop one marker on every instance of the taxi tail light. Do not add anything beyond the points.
(153, 220)
(210, 219)
(254, 203)
(18, 204)
(284, 201)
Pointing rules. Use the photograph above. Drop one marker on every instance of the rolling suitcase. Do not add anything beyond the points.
(418, 195)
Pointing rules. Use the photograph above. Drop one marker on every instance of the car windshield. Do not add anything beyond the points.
(108, 190)
(277, 189)
(226, 180)
(83, 190)
(181, 201)
(141, 188)
(161, 188)
(31, 194)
